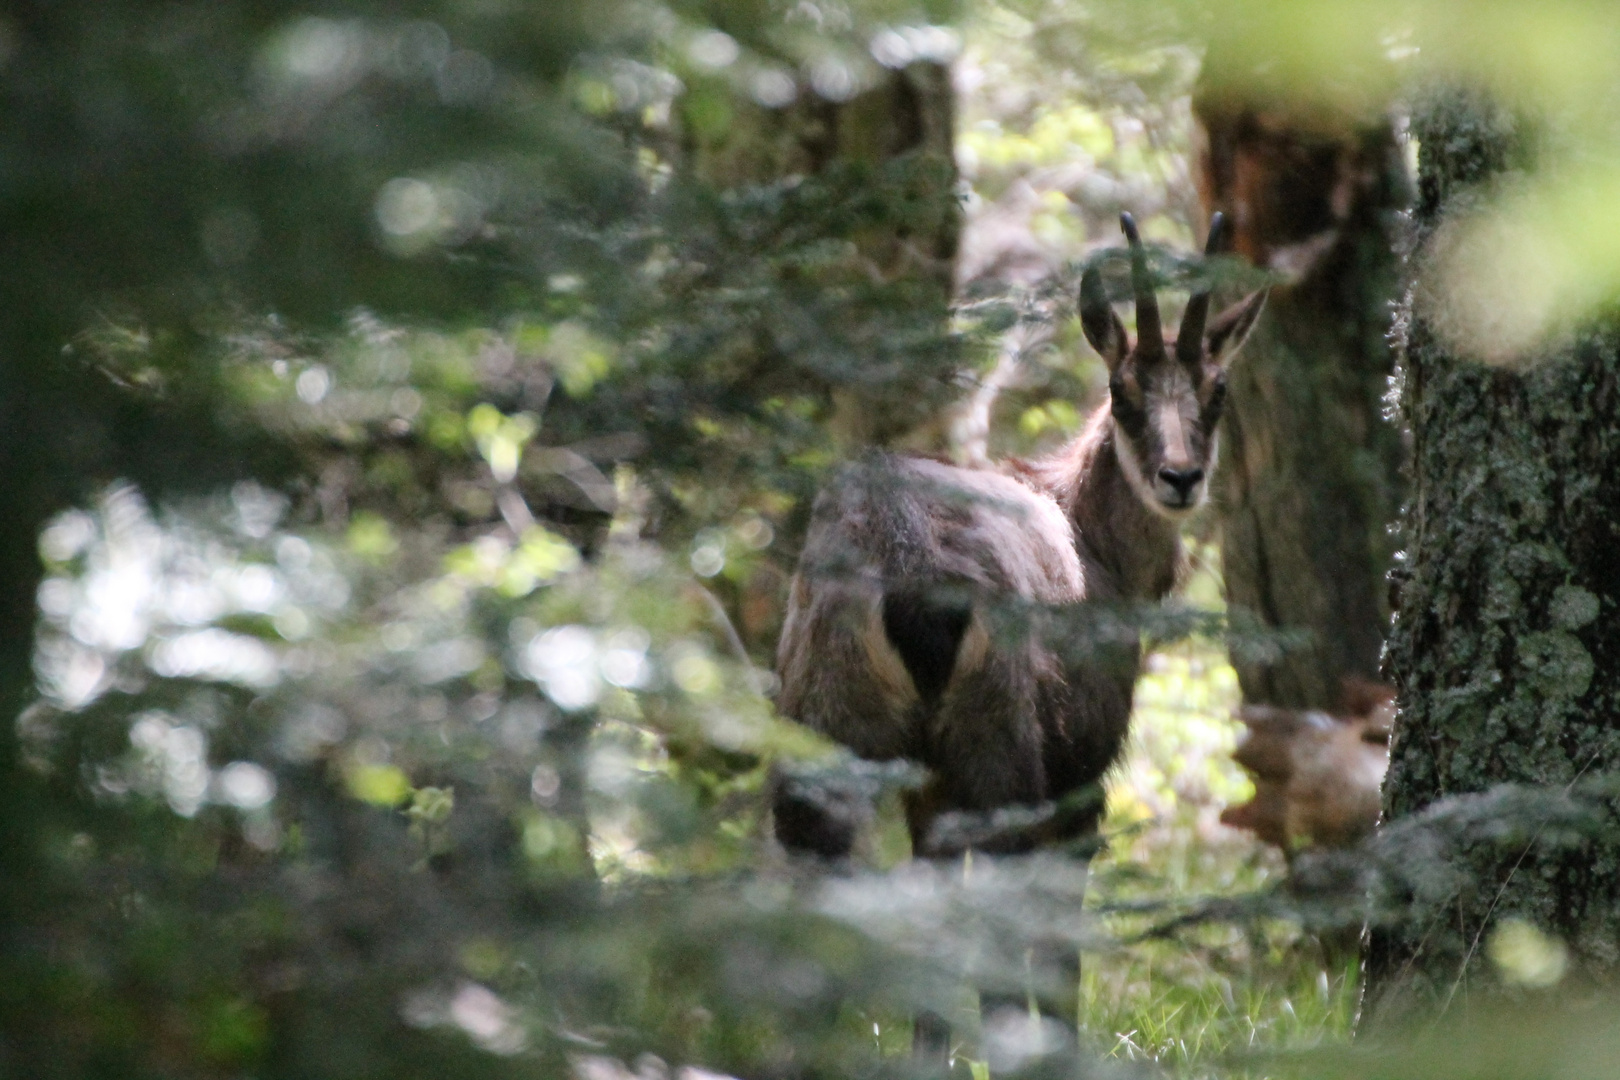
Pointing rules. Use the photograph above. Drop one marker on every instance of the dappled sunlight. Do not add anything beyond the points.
(359, 656)
(1166, 795)
(126, 595)
(384, 662)
(1184, 732)
(414, 423)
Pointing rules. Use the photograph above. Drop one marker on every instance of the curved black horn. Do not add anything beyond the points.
(1149, 334)
(1190, 340)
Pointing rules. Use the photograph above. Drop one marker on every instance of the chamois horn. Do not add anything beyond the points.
(1149, 334)
(1190, 341)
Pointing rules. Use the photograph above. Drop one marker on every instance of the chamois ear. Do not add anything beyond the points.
(1103, 327)
(1231, 327)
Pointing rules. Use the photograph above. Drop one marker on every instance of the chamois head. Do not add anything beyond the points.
(1166, 395)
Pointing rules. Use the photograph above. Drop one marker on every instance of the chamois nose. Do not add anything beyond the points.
(1182, 480)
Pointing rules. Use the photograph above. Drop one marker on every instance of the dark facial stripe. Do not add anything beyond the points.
(1129, 416)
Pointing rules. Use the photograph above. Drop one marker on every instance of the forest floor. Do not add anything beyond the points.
(1200, 1002)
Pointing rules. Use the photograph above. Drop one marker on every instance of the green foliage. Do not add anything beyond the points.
(411, 422)
(407, 524)
(382, 688)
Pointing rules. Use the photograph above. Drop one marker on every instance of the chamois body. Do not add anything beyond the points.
(885, 650)
(909, 631)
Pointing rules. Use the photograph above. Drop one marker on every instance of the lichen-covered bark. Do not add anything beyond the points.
(1309, 472)
(1506, 646)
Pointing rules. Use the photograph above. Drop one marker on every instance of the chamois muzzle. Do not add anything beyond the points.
(1183, 485)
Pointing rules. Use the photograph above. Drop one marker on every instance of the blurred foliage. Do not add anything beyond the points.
(405, 456)
(374, 734)
(1062, 125)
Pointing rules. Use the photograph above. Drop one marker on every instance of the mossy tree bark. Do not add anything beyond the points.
(1506, 645)
(1309, 472)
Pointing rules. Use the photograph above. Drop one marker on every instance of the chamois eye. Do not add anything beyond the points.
(1126, 409)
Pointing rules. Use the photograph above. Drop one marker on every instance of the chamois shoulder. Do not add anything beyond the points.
(1060, 472)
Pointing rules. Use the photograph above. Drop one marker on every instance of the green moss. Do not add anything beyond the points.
(1508, 671)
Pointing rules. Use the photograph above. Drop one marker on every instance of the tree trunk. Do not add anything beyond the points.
(1309, 471)
(891, 145)
(1506, 648)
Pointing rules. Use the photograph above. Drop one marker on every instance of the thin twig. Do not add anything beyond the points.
(757, 678)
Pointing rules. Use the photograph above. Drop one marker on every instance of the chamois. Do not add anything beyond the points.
(892, 643)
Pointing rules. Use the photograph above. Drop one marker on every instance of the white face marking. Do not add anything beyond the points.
(1158, 495)
(1173, 431)
(1177, 456)
(1131, 466)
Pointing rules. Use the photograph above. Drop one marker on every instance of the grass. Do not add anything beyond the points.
(1200, 1002)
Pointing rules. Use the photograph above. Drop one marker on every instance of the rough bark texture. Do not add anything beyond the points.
(1506, 648)
(1309, 473)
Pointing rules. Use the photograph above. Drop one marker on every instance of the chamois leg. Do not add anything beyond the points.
(1045, 766)
(931, 1040)
(1043, 1017)
(842, 678)
(984, 743)
(818, 815)
(987, 750)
